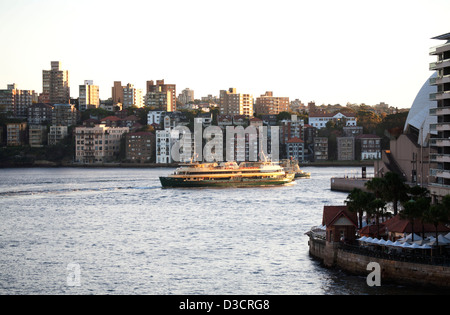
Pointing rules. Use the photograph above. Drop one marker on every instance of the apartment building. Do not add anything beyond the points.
(440, 160)
(320, 148)
(346, 148)
(233, 103)
(295, 149)
(140, 147)
(55, 85)
(163, 146)
(64, 115)
(291, 128)
(369, 147)
(186, 96)
(57, 134)
(98, 144)
(15, 102)
(267, 104)
(40, 114)
(16, 134)
(162, 95)
(89, 96)
(38, 136)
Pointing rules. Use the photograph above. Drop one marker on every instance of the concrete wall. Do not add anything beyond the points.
(347, 184)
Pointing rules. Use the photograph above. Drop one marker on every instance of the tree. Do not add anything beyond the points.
(378, 208)
(438, 213)
(415, 209)
(394, 189)
(357, 202)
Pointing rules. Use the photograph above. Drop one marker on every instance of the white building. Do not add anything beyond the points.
(155, 117)
(319, 120)
(132, 97)
(89, 96)
(163, 146)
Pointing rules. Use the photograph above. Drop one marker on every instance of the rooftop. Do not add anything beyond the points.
(442, 37)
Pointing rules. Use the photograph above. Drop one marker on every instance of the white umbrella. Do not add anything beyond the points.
(362, 239)
(398, 244)
(368, 240)
(381, 242)
(414, 246)
(374, 241)
(405, 245)
(426, 246)
(389, 243)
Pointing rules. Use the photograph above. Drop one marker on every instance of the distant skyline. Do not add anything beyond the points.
(324, 51)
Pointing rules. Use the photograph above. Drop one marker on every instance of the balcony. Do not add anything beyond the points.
(440, 96)
(440, 64)
(440, 127)
(439, 111)
(439, 49)
(440, 173)
(440, 158)
(440, 80)
(442, 142)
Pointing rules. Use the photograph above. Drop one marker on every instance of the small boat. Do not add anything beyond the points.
(228, 174)
(292, 166)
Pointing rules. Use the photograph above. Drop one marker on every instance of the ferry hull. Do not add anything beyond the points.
(172, 182)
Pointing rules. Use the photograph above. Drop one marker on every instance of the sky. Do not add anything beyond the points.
(327, 51)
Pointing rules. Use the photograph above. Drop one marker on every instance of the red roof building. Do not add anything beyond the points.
(341, 224)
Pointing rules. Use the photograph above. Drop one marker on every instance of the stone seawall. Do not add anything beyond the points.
(400, 272)
(348, 184)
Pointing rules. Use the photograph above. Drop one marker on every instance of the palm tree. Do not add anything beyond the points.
(438, 213)
(358, 201)
(377, 186)
(378, 207)
(414, 209)
(394, 189)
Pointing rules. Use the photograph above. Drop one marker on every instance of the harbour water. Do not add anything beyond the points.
(119, 232)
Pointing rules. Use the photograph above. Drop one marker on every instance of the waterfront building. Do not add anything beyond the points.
(162, 95)
(140, 147)
(38, 136)
(295, 149)
(16, 134)
(320, 149)
(40, 114)
(440, 159)
(15, 102)
(320, 119)
(57, 134)
(89, 96)
(98, 144)
(346, 148)
(369, 147)
(186, 96)
(267, 104)
(64, 115)
(233, 103)
(55, 85)
(163, 146)
(341, 224)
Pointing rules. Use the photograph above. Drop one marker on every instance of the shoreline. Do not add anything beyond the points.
(49, 164)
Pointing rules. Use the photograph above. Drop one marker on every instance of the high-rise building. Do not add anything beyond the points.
(440, 167)
(89, 96)
(186, 96)
(267, 104)
(132, 97)
(166, 92)
(15, 102)
(55, 85)
(117, 93)
(233, 103)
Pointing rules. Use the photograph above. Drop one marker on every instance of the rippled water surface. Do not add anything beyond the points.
(130, 236)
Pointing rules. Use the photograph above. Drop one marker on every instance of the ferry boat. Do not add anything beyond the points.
(228, 174)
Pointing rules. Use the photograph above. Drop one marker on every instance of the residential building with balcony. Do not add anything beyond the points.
(89, 96)
(440, 157)
(369, 147)
(162, 95)
(55, 85)
(140, 147)
(233, 103)
(15, 102)
(40, 114)
(57, 134)
(320, 149)
(38, 136)
(295, 149)
(267, 104)
(64, 115)
(346, 148)
(98, 144)
(16, 134)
